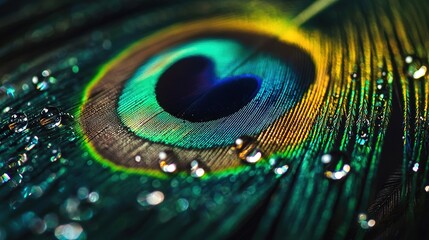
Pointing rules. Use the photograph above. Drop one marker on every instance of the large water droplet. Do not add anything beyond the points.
(167, 161)
(247, 149)
(18, 122)
(17, 161)
(336, 165)
(50, 117)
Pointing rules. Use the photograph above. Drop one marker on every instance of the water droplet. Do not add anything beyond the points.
(69, 231)
(8, 90)
(330, 123)
(354, 76)
(93, 197)
(381, 84)
(182, 205)
(31, 142)
(6, 109)
(82, 193)
(4, 178)
(17, 161)
(15, 180)
(336, 165)
(415, 167)
(50, 117)
(426, 188)
(55, 152)
(414, 67)
(37, 225)
(51, 220)
(363, 135)
(41, 82)
(167, 161)
(279, 171)
(247, 149)
(18, 122)
(153, 198)
(196, 168)
(138, 158)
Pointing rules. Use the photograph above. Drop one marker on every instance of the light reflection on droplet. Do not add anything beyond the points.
(336, 165)
(247, 149)
(196, 169)
(416, 167)
(31, 142)
(167, 161)
(281, 170)
(153, 198)
(415, 68)
(54, 151)
(4, 178)
(93, 197)
(427, 188)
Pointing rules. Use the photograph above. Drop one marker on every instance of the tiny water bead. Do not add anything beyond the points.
(18, 122)
(54, 151)
(414, 67)
(336, 165)
(355, 76)
(247, 149)
(363, 136)
(50, 117)
(167, 161)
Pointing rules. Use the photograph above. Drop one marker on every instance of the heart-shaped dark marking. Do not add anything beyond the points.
(190, 89)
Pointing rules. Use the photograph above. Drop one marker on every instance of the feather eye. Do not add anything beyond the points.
(236, 83)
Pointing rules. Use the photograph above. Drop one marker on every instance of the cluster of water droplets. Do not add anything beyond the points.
(336, 165)
(365, 222)
(415, 67)
(247, 149)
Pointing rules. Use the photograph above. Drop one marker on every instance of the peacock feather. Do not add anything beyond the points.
(214, 119)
